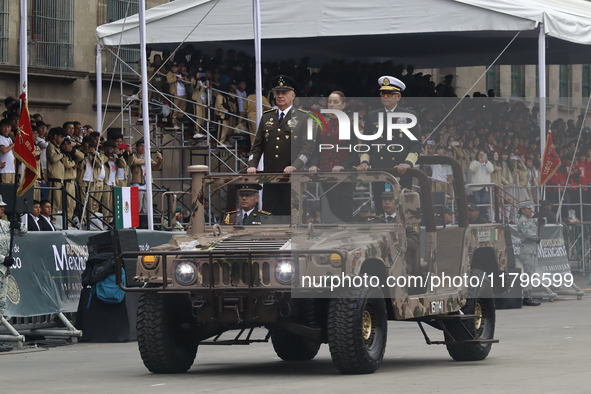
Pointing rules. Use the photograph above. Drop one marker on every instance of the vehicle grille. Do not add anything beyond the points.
(233, 244)
(235, 274)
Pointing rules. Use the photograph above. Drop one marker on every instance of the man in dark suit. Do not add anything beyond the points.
(402, 150)
(248, 213)
(546, 212)
(282, 137)
(45, 216)
(31, 220)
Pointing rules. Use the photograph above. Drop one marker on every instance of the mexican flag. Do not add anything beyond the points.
(127, 207)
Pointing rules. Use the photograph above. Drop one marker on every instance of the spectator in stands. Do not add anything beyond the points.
(481, 169)
(77, 135)
(137, 165)
(8, 103)
(226, 105)
(31, 220)
(69, 127)
(71, 160)
(496, 176)
(55, 167)
(178, 80)
(89, 170)
(45, 216)
(122, 153)
(6, 153)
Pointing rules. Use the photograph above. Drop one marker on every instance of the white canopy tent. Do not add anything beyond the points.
(426, 33)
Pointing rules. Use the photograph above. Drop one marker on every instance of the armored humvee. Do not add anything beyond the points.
(281, 275)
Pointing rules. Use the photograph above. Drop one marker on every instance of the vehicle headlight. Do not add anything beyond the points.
(185, 273)
(284, 272)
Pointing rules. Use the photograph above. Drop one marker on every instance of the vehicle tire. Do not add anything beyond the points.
(357, 331)
(292, 347)
(480, 301)
(163, 339)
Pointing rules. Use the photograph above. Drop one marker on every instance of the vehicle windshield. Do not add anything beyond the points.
(299, 199)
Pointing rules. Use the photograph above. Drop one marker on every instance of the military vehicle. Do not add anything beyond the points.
(230, 277)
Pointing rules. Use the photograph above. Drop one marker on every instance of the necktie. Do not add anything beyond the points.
(281, 116)
(390, 219)
(245, 217)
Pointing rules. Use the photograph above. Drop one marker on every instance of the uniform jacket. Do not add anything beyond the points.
(135, 163)
(549, 215)
(284, 144)
(384, 158)
(98, 164)
(253, 218)
(55, 166)
(226, 105)
(172, 81)
(71, 162)
(528, 232)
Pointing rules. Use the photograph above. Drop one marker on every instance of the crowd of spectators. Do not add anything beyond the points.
(78, 170)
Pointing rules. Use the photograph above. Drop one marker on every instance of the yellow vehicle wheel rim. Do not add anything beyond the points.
(366, 325)
(478, 311)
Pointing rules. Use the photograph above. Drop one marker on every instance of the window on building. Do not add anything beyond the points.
(119, 9)
(4, 31)
(564, 84)
(52, 34)
(586, 80)
(492, 79)
(517, 85)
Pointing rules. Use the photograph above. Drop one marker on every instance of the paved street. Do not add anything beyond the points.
(543, 349)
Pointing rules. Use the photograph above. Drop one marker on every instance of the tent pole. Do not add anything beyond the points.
(542, 86)
(23, 47)
(99, 89)
(146, 122)
(256, 16)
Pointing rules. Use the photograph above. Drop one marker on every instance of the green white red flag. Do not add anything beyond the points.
(127, 208)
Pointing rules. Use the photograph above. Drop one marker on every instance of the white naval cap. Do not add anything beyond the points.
(390, 83)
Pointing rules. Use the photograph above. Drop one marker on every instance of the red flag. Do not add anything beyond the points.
(550, 162)
(24, 149)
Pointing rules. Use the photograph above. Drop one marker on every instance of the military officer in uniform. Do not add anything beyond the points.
(527, 227)
(389, 215)
(282, 138)
(248, 213)
(388, 157)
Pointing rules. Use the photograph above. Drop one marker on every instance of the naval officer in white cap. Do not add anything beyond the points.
(385, 159)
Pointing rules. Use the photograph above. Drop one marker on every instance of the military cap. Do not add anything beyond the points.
(249, 188)
(543, 203)
(388, 192)
(2, 203)
(525, 204)
(367, 208)
(439, 146)
(472, 207)
(232, 82)
(390, 83)
(283, 82)
(178, 209)
(449, 76)
(174, 64)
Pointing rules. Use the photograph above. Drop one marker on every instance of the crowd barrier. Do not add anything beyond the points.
(45, 282)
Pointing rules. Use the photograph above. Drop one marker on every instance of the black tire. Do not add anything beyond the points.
(163, 339)
(355, 348)
(480, 301)
(293, 347)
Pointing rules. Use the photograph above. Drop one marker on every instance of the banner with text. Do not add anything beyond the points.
(46, 275)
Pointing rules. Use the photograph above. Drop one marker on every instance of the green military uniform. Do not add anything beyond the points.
(237, 217)
(528, 254)
(242, 216)
(284, 142)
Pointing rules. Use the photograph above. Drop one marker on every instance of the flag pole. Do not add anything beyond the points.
(23, 46)
(145, 111)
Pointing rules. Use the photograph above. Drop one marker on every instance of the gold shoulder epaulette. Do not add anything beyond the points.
(303, 110)
(228, 213)
(265, 212)
(269, 110)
